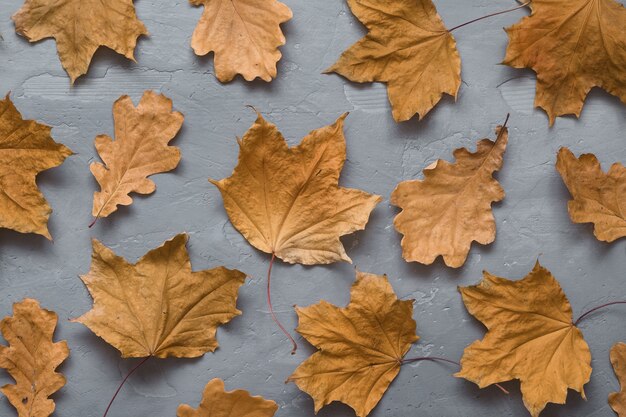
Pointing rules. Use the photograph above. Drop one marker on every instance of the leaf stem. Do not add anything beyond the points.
(585, 314)
(95, 219)
(122, 384)
(269, 303)
(490, 15)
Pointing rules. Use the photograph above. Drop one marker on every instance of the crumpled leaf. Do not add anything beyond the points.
(599, 198)
(31, 359)
(530, 337)
(140, 149)
(26, 149)
(448, 210)
(360, 346)
(216, 402)
(158, 306)
(244, 34)
(573, 46)
(617, 400)
(80, 27)
(287, 201)
(407, 47)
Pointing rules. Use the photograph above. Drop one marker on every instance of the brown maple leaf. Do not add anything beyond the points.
(244, 34)
(80, 27)
(31, 359)
(573, 46)
(617, 400)
(26, 149)
(407, 47)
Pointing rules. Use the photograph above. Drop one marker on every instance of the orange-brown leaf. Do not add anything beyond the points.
(617, 400)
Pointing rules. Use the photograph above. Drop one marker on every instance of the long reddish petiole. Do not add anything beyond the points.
(585, 314)
(122, 384)
(269, 303)
(489, 15)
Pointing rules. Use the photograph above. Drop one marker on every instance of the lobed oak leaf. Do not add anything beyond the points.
(216, 402)
(573, 46)
(158, 306)
(244, 34)
(32, 358)
(140, 149)
(617, 400)
(448, 210)
(599, 198)
(80, 27)
(530, 337)
(360, 347)
(408, 47)
(287, 201)
(26, 149)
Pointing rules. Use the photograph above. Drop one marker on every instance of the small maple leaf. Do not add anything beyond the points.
(573, 46)
(448, 210)
(360, 346)
(617, 400)
(216, 402)
(158, 306)
(530, 337)
(31, 359)
(287, 201)
(80, 27)
(140, 149)
(26, 149)
(244, 34)
(599, 198)
(407, 47)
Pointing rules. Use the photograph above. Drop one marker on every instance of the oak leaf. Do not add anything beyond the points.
(158, 306)
(26, 149)
(448, 210)
(32, 358)
(617, 400)
(599, 198)
(407, 47)
(530, 337)
(216, 402)
(360, 346)
(244, 34)
(286, 201)
(80, 27)
(140, 149)
(573, 46)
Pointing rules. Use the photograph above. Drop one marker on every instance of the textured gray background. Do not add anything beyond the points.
(532, 221)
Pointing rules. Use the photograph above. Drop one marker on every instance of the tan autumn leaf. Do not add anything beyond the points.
(599, 198)
(26, 149)
(287, 201)
(448, 210)
(158, 306)
(140, 149)
(617, 400)
(573, 46)
(80, 27)
(530, 337)
(216, 402)
(32, 358)
(360, 347)
(407, 47)
(243, 34)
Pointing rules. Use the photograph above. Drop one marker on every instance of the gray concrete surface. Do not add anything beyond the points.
(532, 221)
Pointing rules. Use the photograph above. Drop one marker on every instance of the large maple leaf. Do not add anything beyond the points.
(80, 27)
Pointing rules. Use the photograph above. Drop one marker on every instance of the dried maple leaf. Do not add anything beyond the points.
(599, 198)
(31, 358)
(244, 34)
(216, 402)
(286, 201)
(26, 149)
(140, 149)
(448, 210)
(530, 337)
(573, 46)
(80, 27)
(360, 346)
(617, 400)
(407, 47)
(158, 307)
